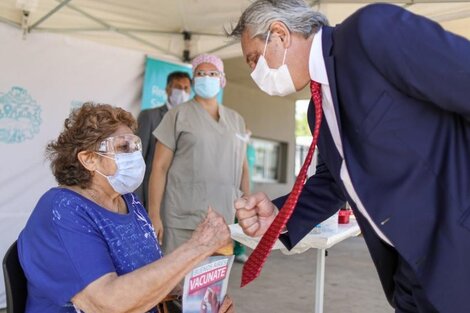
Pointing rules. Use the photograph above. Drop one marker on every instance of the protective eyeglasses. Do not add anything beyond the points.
(202, 73)
(120, 144)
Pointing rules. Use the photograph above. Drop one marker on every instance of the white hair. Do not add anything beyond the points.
(297, 15)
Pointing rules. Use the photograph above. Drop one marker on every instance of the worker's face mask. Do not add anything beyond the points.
(207, 87)
(273, 81)
(129, 174)
(178, 96)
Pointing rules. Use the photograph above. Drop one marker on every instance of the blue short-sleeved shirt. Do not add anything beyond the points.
(70, 241)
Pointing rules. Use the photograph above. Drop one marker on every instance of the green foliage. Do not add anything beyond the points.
(301, 125)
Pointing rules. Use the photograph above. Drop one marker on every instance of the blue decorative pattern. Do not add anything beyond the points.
(75, 104)
(70, 241)
(131, 239)
(20, 116)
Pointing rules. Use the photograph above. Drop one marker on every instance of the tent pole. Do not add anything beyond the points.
(127, 30)
(222, 47)
(124, 33)
(148, 43)
(70, 30)
(9, 22)
(45, 17)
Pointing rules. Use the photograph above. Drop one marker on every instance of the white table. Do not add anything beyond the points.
(326, 239)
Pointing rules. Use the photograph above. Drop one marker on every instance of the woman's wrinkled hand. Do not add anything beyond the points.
(213, 232)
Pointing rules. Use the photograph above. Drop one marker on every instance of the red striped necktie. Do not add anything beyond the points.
(255, 262)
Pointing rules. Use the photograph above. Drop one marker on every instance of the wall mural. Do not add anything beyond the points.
(20, 116)
(75, 104)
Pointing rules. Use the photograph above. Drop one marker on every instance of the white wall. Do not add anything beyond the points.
(55, 72)
(267, 117)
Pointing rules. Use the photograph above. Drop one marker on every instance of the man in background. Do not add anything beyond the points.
(178, 90)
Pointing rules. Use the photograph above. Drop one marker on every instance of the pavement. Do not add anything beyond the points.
(287, 283)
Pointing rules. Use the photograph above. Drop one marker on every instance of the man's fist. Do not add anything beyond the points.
(255, 213)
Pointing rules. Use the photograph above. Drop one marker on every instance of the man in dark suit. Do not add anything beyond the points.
(178, 90)
(394, 142)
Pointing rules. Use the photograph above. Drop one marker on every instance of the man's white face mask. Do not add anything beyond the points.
(178, 96)
(273, 81)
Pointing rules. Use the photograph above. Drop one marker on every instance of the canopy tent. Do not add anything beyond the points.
(169, 28)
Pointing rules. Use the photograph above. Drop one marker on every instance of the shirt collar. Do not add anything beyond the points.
(168, 105)
(316, 64)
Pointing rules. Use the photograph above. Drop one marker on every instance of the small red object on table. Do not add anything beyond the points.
(343, 216)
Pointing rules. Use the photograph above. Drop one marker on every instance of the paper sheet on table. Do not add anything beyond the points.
(324, 240)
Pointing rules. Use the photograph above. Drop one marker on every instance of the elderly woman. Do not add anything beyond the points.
(89, 245)
(199, 159)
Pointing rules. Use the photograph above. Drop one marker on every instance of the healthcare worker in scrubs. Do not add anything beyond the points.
(200, 159)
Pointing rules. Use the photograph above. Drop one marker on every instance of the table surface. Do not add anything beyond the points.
(324, 240)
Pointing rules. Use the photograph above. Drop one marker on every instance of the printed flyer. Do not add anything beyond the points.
(206, 285)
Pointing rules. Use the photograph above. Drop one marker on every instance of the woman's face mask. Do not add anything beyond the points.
(207, 87)
(273, 81)
(129, 174)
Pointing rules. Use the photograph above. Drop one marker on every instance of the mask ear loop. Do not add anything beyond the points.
(105, 156)
(266, 43)
(101, 174)
(284, 59)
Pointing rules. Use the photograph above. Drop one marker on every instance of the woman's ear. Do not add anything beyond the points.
(280, 30)
(88, 160)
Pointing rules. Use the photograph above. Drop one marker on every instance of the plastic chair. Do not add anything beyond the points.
(15, 281)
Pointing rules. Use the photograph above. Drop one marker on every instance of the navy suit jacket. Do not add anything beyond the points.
(401, 91)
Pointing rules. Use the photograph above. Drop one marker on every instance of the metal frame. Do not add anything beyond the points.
(320, 280)
(108, 27)
(10, 22)
(222, 47)
(49, 14)
(129, 30)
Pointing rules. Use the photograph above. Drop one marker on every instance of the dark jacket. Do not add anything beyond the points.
(401, 91)
(148, 121)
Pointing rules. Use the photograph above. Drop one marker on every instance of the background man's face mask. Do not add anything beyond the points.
(178, 96)
(273, 81)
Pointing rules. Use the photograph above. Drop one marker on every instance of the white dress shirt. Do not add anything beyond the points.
(318, 73)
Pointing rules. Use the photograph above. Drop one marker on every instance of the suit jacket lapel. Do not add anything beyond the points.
(327, 45)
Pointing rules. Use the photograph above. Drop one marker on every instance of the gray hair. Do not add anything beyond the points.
(297, 15)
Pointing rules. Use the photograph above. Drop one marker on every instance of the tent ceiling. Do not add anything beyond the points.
(156, 27)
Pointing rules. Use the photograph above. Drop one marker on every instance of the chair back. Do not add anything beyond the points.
(15, 281)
